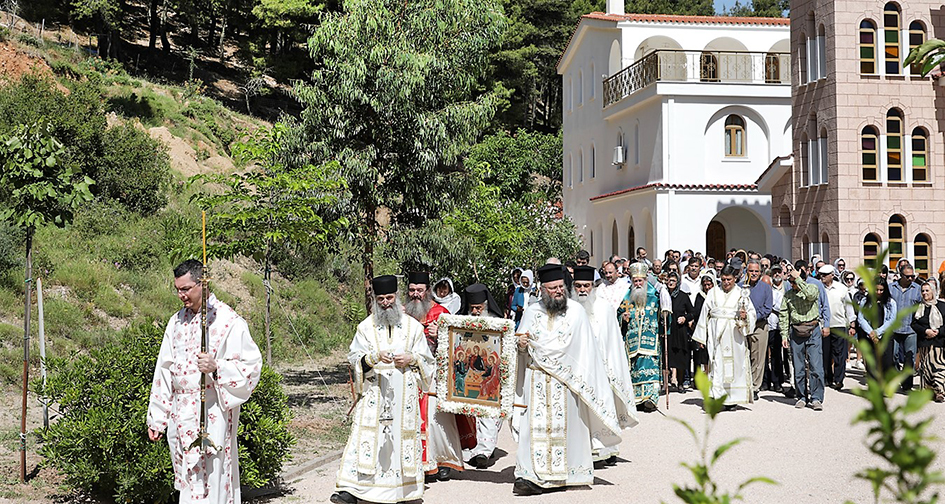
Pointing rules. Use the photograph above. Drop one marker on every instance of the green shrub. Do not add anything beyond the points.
(12, 249)
(98, 219)
(29, 39)
(134, 169)
(99, 444)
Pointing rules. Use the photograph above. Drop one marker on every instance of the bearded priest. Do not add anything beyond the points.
(639, 315)
(565, 393)
(607, 336)
(382, 461)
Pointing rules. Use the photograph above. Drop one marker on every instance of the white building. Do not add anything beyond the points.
(668, 123)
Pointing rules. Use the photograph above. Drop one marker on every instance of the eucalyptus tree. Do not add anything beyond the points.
(395, 99)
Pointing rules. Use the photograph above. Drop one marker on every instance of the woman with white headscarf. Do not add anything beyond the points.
(446, 296)
(930, 331)
(524, 296)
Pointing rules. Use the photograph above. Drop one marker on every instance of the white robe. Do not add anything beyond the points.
(729, 362)
(606, 331)
(613, 293)
(175, 400)
(444, 448)
(567, 397)
(379, 466)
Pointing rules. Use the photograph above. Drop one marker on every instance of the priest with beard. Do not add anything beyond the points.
(607, 336)
(442, 451)
(478, 302)
(391, 363)
(566, 396)
(639, 314)
(726, 321)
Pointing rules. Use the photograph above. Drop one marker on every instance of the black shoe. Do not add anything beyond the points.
(754, 396)
(765, 387)
(524, 487)
(789, 392)
(729, 407)
(611, 460)
(779, 389)
(444, 473)
(599, 464)
(646, 407)
(479, 461)
(343, 498)
(838, 386)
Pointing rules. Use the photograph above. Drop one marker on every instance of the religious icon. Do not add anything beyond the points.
(475, 365)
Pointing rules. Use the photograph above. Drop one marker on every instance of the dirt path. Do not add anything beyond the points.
(812, 455)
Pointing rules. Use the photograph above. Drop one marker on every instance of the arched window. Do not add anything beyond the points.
(593, 161)
(868, 139)
(636, 144)
(894, 145)
(614, 240)
(867, 47)
(870, 249)
(821, 52)
(824, 167)
(806, 251)
(784, 217)
(916, 38)
(923, 247)
(805, 160)
(580, 88)
(592, 81)
(570, 170)
(581, 166)
(734, 136)
(631, 240)
(897, 233)
(825, 247)
(802, 58)
(920, 155)
(591, 245)
(709, 67)
(891, 27)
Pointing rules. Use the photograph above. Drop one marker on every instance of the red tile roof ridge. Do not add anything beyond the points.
(673, 18)
(697, 187)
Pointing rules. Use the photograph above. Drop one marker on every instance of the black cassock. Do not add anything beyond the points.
(679, 334)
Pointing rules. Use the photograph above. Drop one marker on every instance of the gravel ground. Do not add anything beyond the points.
(812, 455)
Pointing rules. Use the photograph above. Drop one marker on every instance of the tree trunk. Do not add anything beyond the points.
(26, 350)
(367, 258)
(155, 25)
(212, 32)
(223, 36)
(267, 275)
(165, 43)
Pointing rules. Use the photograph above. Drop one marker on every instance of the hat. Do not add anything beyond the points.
(736, 263)
(418, 277)
(477, 294)
(385, 284)
(584, 274)
(826, 270)
(638, 270)
(550, 273)
(776, 268)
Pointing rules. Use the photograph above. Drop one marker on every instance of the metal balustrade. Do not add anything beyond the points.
(698, 66)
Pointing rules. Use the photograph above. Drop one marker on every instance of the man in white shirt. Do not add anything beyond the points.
(842, 319)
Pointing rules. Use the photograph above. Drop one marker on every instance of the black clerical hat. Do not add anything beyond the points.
(418, 277)
(550, 273)
(385, 284)
(477, 293)
(584, 274)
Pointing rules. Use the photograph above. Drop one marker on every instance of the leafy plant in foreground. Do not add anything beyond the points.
(903, 443)
(706, 491)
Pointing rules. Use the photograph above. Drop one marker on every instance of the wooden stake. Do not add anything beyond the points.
(42, 349)
(26, 350)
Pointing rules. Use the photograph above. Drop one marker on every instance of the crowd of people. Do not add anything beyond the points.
(597, 345)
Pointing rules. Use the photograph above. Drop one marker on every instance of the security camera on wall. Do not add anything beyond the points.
(618, 156)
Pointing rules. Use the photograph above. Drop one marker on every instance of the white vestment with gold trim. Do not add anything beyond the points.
(384, 464)
(729, 362)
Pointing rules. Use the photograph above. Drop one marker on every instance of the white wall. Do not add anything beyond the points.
(681, 139)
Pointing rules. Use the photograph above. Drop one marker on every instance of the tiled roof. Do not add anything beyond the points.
(681, 187)
(666, 18)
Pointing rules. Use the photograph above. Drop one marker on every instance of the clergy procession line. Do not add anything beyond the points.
(592, 348)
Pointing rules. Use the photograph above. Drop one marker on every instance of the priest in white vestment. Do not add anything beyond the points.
(382, 461)
(606, 331)
(565, 392)
(727, 318)
(232, 365)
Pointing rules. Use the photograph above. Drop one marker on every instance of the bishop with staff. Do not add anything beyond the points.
(231, 364)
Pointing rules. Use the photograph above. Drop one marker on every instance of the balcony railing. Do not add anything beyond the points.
(698, 66)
